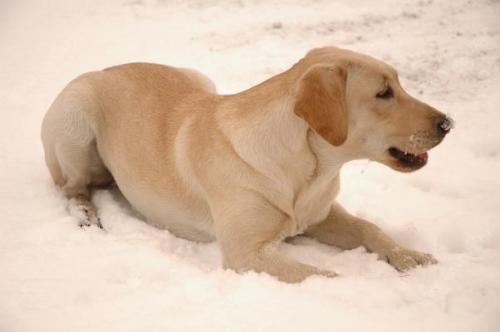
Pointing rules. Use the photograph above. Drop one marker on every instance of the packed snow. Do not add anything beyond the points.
(55, 276)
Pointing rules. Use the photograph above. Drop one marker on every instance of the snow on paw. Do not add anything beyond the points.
(85, 213)
(82, 223)
(87, 222)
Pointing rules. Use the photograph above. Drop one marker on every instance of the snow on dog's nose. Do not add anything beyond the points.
(445, 125)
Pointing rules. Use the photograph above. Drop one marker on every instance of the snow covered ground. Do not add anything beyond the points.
(57, 277)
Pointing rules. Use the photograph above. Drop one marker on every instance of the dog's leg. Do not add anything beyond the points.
(249, 230)
(346, 231)
(80, 204)
(77, 168)
(85, 211)
(71, 152)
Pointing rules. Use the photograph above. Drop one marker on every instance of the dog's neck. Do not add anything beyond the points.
(282, 143)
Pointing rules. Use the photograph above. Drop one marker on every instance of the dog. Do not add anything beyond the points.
(249, 169)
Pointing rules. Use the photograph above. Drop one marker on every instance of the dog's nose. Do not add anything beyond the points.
(444, 125)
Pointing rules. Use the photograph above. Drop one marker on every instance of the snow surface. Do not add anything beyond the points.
(57, 277)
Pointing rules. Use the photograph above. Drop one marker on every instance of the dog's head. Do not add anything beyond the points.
(354, 100)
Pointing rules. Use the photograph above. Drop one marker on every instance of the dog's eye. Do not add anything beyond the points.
(386, 93)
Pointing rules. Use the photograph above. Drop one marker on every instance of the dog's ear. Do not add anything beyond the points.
(321, 102)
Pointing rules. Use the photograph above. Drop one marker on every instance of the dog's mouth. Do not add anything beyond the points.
(408, 161)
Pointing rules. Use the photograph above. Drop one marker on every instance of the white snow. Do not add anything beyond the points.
(56, 277)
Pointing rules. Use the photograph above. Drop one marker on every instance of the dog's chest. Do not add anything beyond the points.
(313, 202)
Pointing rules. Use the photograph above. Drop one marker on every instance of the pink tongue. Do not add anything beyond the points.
(423, 156)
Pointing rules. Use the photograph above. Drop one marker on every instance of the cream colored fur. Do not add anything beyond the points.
(248, 169)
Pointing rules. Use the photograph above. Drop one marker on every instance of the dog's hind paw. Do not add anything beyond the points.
(85, 213)
(83, 223)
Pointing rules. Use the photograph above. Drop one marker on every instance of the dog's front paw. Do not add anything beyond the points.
(404, 259)
(328, 273)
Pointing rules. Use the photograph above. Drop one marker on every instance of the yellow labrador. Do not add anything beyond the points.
(248, 169)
